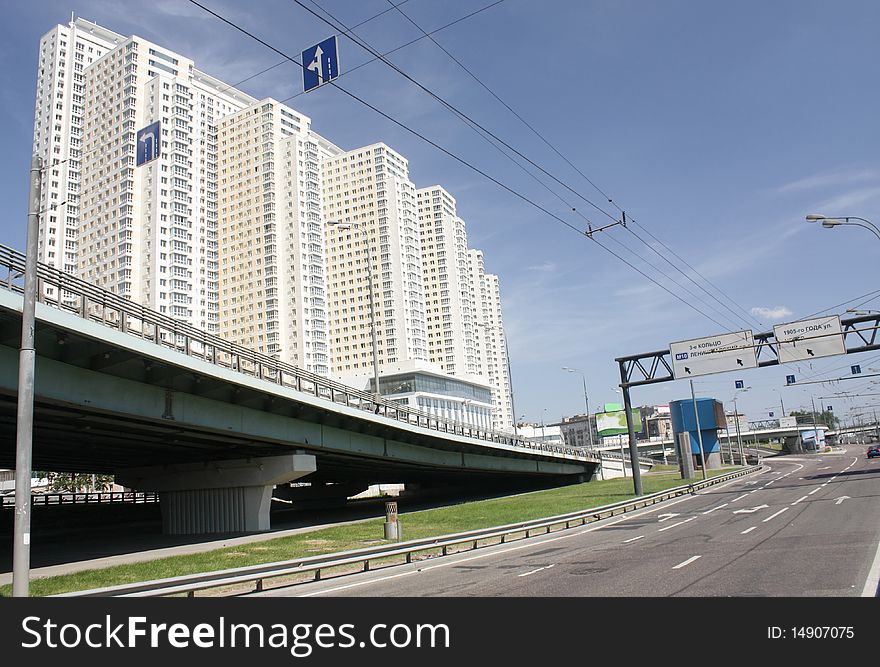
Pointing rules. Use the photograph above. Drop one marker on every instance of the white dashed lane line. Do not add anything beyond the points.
(526, 574)
(773, 516)
(799, 500)
(633, 539)
(687, 562)
(715, 508)
(740, 498)
(748, 530)
(676, 524)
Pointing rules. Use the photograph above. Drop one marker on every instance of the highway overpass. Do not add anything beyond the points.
(213, 426)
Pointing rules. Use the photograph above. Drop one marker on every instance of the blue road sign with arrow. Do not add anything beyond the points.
(148, 142)
(739, 384)
(789, 379)
(320, 64)
(856, 369)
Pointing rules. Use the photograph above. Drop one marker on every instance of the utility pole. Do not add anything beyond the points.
(24, 434)
(699, 431)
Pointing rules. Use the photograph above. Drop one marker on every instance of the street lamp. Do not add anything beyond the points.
(830, 222)
(739, 442)
(509, 374)
(347, 225)
(586, 400)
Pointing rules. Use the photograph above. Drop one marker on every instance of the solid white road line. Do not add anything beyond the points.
(772, 516)
(748, 530)
(633, 539)
(687, 562)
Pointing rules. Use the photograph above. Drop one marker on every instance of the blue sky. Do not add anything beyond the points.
(716, 126)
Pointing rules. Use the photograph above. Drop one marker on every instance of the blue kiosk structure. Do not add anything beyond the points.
(711, 413)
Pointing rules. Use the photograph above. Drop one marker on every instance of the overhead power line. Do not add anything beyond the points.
(455, 157)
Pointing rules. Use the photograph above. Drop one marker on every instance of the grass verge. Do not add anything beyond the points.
(426, 523)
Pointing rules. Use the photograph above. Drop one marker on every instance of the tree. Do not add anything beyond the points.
(826, 418)
(71, 482)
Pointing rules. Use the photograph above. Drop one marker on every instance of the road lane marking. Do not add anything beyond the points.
(665, 517)
(750, 511)
(814, 491)
(740, 498)
(633, 539)
(526, 574)
(687, 562)
(715, 508)
(784, 509)
(799, 500)
(748, 530)
(676, 524)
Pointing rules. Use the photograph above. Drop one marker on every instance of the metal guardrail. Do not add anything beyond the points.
(257, 574)
(86, 498)
(99, 305)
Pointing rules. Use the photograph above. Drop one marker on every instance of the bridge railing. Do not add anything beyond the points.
(84, 498)
(66, 292)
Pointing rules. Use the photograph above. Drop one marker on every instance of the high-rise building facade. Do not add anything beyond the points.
(372, 224)
(273, 277)
(449, 308)
(149, 232)
(491, 340)
(65, 53)
(249, 224)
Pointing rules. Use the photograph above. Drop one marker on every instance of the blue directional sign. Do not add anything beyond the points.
(148, 142)
(829, 409)
(856, 369)
(320, 64)
(739, 384)
(789, 379)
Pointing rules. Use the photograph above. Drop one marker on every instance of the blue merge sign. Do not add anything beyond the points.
(148, 142)
(320, 64)
(856, 369)
(789, 379)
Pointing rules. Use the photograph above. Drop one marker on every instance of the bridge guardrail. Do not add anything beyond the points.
(84, 498)
(99, 305)
(257, 574)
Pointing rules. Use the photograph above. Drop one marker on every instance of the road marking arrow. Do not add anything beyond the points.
(753, 509)
(841, 499)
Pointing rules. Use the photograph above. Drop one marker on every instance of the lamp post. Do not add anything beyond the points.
(586, 401)
(739, 442)
(347, 225)
(509, 374)
(829, 222)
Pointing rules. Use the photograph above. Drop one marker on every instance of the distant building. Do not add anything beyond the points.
(550, 434)
(576, 429)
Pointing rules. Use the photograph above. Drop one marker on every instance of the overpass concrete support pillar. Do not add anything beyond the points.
(218, 496)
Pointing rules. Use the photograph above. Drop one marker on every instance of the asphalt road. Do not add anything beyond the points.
(807, 526)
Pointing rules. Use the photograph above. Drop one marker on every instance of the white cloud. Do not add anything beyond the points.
(828, 178)
(777, 313)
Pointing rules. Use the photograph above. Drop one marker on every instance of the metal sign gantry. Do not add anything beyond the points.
(859, 335)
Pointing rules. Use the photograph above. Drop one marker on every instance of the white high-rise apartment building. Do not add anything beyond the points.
(449, 305)
(368, 191)
(65, 53)
(273, 277)
(148, 233)
(491, 340)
